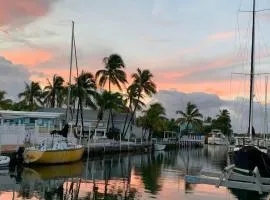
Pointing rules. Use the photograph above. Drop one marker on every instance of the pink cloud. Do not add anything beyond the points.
(221, 88)
(20, 12)
(221, 36)
(28, 57)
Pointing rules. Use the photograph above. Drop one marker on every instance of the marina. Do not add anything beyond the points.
(134, 100)
(131, 176)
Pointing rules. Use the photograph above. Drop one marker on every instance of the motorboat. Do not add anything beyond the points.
(216, 137)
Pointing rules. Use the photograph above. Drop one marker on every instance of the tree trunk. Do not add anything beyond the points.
(187, 127)
(133, 113)
(123, 130)
(77, 114)
(81, 108)
(111, 115)
(108, 123)
(150, 135)
(53, 99)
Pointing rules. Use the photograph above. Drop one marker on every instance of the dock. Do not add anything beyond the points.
(98, 148)
(116, 147)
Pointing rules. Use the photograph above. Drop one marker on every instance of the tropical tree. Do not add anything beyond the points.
(32, 93)
(171, 125)
(191, 116)
(106, 101)
(223, 122)
(131, 100)
(206, 126)
(54, 91)
(85, 91)
(153, 119)
(113, 74)
(4, 103)
(142, 85)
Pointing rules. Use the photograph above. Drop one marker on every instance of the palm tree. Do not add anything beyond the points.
(113, 74)
(54, 91)
(143, 84)
(106, 101)
(153, 119)
(85, 91)
(4, 103)
(31, 94)
(191, 116)
(131, 99)
(223, 122)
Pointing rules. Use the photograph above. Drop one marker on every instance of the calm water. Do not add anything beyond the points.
(147, 176)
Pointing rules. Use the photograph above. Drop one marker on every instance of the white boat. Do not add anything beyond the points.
(159, 147)
(217, 138)
(4, 161)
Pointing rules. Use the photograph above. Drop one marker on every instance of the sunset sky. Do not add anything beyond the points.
(189, 45)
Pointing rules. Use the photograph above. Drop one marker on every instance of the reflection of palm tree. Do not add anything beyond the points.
(107, 176)
(127, 187)
(25, 191)
(151, 174)
(188, 187)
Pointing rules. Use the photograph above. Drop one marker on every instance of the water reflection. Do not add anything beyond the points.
(156, 175)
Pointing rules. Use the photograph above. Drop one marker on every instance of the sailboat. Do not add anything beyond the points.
(56, 149)
(252, 154)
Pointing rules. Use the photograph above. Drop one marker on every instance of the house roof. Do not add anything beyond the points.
(88, 114)
(18, 114)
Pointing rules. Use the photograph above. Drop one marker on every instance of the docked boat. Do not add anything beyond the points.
(4, 161)
(253, 155)
(159, 147)
(216, 137)
(54, 150)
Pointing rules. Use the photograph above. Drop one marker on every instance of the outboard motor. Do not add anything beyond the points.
(16, 158)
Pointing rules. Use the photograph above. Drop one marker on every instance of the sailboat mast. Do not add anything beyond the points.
(265, 108)
(70, 71)
(252, 72)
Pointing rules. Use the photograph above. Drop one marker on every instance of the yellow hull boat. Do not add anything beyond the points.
(53, 156)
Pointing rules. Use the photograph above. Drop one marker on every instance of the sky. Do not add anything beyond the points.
(189, 46)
